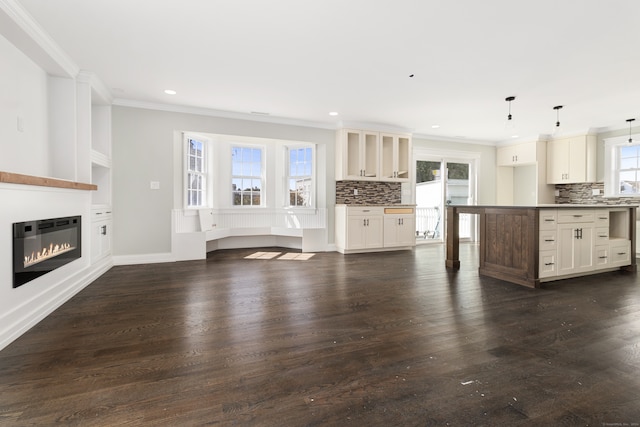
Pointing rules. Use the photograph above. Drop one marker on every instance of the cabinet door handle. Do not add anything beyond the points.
(103, 230)
(581, 233)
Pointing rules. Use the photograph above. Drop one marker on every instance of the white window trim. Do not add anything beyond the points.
(207, 171)
(611, 164)
(263, 178)
(285, 178)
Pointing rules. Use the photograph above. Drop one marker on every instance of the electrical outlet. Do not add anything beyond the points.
(355, 191)
(154, 185)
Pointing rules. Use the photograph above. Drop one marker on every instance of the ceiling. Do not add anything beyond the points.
(408, 64)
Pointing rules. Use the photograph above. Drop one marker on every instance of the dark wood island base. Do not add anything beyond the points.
(510, 240)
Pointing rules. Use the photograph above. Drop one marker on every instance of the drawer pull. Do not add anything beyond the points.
(549, 220)
(549, 263)
(622, 253)
(602, 235)
(549, 240)
(577, 216)
(602, 257)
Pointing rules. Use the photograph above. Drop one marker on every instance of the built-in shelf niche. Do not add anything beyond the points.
(100, 124)
(619, 224)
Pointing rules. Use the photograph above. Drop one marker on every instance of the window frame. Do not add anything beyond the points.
(204, 173)
(287, 175)
(612, 163)
(262, 177)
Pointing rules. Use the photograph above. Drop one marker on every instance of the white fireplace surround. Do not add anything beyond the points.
(23, 307)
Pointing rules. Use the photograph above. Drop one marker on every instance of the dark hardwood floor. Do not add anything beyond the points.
(386, 339)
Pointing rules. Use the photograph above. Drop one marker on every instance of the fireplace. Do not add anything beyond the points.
(43, 245)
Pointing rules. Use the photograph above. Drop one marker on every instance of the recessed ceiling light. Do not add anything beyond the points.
(435, 126)
(333, 113)
(170, 92)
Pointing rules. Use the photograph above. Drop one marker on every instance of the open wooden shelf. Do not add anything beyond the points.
(16, 178)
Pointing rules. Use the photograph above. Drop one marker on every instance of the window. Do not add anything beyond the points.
(299, 180)
(622, 168)
(247, 181)
(196, 172)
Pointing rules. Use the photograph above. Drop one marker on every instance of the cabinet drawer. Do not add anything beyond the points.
(100, 214)
(602, 218)
(548, 240)
(602, 235)
(548, 219)
(575, 215)
(547, 265)
(602, 255)
(620, 253)
(365, 210)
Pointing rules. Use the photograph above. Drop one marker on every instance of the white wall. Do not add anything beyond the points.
(146, 147)
(23, 89)
(28, 93)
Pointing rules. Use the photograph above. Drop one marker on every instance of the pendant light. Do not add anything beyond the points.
(509, 125)
(509, 99)
(557, 108)
(630, 121)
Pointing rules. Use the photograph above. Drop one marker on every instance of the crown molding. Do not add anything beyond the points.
(22, 30)
(221, 113)
(100, 92)
(438, 138)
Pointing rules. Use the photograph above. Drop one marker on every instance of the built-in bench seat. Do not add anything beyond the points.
(210, 230)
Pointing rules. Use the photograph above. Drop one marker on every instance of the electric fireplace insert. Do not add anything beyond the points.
(41, 246)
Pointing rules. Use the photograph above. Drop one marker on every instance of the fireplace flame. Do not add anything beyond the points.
(47, 253)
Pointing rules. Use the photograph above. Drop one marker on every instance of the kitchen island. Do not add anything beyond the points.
(529, 245)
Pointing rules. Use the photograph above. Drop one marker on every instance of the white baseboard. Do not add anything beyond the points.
(143, 259)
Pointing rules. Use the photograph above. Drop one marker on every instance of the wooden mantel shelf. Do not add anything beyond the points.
(16, 178)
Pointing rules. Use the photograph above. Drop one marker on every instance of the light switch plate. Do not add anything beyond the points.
(154, 185)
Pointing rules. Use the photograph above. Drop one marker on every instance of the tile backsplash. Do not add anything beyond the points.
(369, 193)
(583, 194)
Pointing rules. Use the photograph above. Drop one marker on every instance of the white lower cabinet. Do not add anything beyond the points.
(575, 248)
(602, 256)
(582, 241)
(620, 253)
(548, 264)
(370, 229)
(100, 234)
(364, 232)
(399, 230)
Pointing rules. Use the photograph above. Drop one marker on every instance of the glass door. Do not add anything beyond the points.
(441, 182)
(459, 184)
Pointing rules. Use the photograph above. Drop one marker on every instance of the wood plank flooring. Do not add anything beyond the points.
(386, 339)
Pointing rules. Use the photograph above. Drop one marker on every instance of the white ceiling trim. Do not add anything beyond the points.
(27, 35)
(220, 113)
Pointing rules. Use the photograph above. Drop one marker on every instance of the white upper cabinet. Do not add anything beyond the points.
(395, 158)
(357, 155)
(571, 160)
(519, 154)
(372, 156)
